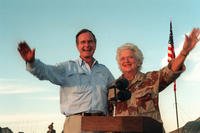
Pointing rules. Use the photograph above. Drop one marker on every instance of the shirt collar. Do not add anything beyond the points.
(138, 77)
(81, 62)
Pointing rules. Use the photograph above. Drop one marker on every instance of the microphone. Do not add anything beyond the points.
(120, 84)
(123, 95)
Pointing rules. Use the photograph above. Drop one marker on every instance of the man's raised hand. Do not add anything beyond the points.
(26, 52)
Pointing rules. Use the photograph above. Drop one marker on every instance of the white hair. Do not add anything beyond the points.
(136, 51)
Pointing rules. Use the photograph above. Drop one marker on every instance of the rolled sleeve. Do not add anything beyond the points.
(167, 75)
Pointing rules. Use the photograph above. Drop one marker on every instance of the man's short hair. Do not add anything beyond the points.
(84, 31)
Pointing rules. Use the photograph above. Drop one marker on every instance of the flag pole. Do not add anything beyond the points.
(171, 55)
(177, 122)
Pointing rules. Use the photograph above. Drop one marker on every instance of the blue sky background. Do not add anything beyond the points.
(50, 26)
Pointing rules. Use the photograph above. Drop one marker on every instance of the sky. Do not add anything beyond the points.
(30, 105)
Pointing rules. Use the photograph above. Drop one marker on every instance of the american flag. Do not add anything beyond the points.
(171, 52)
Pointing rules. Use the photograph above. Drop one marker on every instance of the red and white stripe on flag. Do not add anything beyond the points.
(171, 53)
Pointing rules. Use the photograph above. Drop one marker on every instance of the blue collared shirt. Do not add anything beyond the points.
(82, 89)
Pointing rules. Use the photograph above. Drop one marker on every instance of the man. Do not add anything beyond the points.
(51, 130)
(145, 87)
(83, 82)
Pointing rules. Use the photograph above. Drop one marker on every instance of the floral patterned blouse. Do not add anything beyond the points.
(145, 88)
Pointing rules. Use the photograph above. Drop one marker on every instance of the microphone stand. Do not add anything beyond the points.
(115, 102)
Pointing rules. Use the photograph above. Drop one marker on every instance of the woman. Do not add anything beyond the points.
(145, 87)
